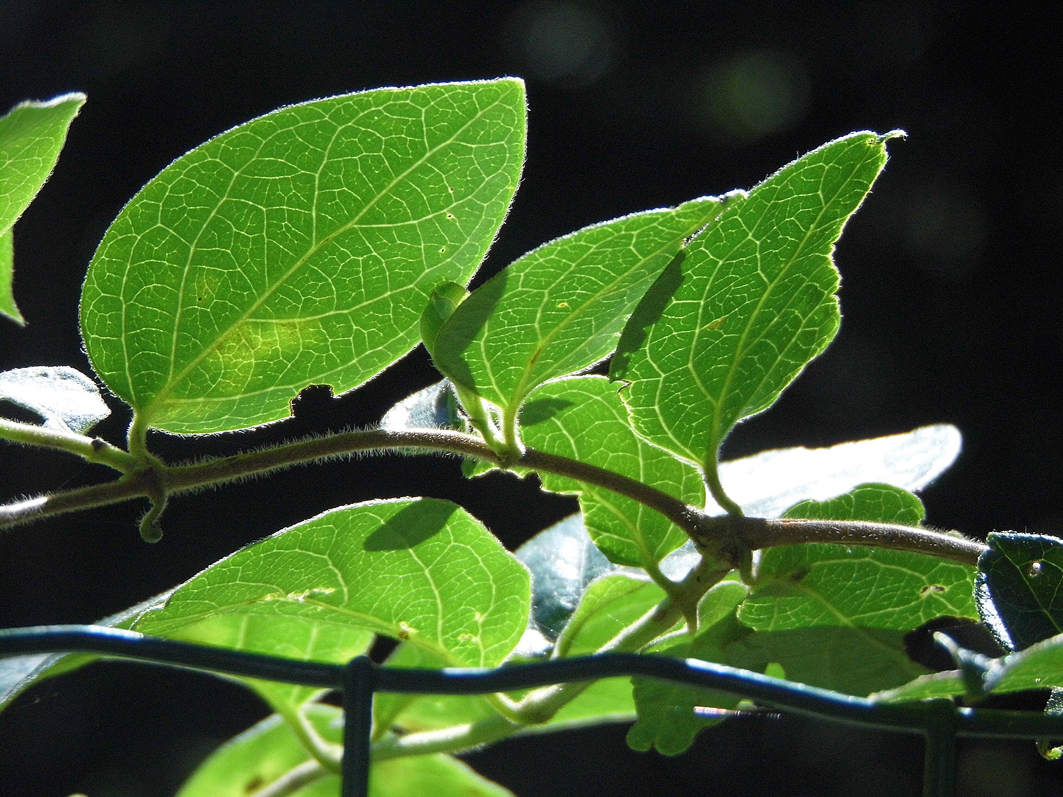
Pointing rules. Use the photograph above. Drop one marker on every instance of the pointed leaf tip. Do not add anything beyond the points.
(751, 303)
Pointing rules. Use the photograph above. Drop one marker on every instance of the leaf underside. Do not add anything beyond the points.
(298, 249)
(583, 418)
(560, 308)
(726, 328)
(421, 570)
(1020, 588)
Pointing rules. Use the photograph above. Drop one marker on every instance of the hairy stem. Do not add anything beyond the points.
(448, 740)
(767, 533)
(92, 449)
(728, 538)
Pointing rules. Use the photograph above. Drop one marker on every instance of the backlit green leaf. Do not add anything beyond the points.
(608, 700)
(834, 615)
(925, 687)
(262, 754)
(411, 713)
(583, 418)
(1020, 588)
(1040, 666)
(421, 570)
(31, 136)
(299, 638)
(7, 277)
(670, 716)
(299, 248)
(801, 586)
(560, 308)
(856, 661)
(610, 604)
(726, 328)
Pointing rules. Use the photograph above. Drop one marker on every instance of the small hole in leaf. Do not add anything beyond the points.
(930, 589)
(1034, 569)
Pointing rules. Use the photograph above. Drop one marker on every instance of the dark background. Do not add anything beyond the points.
(950, 299)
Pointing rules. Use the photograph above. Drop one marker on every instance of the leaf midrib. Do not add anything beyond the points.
(717, 414)
(161, 396)
(525, 384)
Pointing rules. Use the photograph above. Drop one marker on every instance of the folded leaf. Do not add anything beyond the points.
(609, 605)
(563, 562)
(298, 249)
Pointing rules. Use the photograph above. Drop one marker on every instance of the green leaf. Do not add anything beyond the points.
(1040, 666)
(855, 661)
(801, 586)
(411, 713)
(728, 327)
(262, 754)
(577, 593)
(65, 398)
(609, 605)
(297, 638)
(31, 137)
(417, 569)
(925, 687)
(768, 483)
(442, 303)
(583, 418)
(1020, 588)
(668, 714)
(18, 673)
(559, 309)
(441, 775)
(608, 700)
(7, 277)
(298, 249)
(835, 616)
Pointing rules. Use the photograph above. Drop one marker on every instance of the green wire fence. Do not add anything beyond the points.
(940, 722)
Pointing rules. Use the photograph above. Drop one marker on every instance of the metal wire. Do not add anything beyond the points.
(940, 722)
